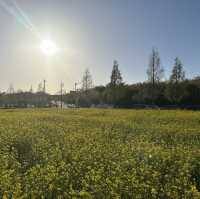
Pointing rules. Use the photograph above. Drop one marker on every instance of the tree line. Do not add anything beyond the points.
(177, 91)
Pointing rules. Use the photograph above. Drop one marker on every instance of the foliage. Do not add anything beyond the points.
(177, 92)
(116, 78)
(99, 154)
(176, 88)
(178, 74)
(115, 90)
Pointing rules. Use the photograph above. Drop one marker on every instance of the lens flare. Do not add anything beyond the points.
(48, 47)
(14, 10)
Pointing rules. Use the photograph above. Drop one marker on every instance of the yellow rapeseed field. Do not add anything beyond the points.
(90, 153)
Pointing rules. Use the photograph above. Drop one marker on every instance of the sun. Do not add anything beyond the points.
(48, 47)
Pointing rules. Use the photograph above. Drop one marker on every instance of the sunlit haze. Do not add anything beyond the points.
(58, 40)
(48, 47)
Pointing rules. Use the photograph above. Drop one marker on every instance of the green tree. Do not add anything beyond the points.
(114, 90)
(116, 78)
(176, 87)
(178, 74)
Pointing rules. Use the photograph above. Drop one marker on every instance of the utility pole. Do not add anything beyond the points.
(76, 93)
(76, 86)
(31, 89)
(61, 94)
(44, 86)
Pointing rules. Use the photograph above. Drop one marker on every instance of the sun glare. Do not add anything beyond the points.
(48, 47)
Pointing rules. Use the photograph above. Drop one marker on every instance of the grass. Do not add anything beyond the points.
(88, 153)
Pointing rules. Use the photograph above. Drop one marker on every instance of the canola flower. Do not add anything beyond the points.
(88, 153)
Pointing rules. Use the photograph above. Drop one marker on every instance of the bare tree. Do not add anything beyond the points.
(87, 80)
(155, 74)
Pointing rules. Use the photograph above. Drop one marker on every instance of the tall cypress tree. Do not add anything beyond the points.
(114, 89)
(116, 78)
(175, 89)
(178, 74)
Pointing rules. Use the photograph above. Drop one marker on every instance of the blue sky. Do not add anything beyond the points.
(91, 34)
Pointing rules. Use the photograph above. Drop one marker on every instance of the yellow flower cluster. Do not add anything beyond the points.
(88, 153)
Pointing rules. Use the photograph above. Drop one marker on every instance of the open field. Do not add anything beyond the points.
(99, 154)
